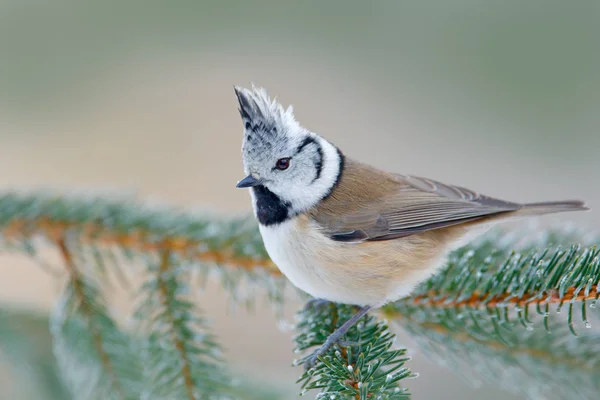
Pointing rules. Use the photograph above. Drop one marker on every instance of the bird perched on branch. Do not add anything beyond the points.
(346, 232)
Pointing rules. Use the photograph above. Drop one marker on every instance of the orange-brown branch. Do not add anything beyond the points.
(138, 240)
(186, 371)
(135, 240)
(88, 312)
(477, 299)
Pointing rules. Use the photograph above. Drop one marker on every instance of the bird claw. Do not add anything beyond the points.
(334, 338)
(311, 360)
(325, 347)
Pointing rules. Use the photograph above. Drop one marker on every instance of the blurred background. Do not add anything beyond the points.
(502, 97)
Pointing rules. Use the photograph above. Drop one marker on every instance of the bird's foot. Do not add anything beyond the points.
(335, 337)
(312, 359)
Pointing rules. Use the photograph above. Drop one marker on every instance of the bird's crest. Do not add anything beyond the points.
(261, 115)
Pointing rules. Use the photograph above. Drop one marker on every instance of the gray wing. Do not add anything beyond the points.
(416, 206)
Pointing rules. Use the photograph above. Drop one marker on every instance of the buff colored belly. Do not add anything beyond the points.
(371, 273)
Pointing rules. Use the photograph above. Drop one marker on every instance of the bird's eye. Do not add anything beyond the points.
(283, 163)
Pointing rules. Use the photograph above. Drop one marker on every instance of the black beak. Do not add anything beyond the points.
(248, 181)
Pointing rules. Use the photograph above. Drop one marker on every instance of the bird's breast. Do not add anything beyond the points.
(296, 250)
(368, 273)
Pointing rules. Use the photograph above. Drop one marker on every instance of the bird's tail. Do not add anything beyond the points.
(550, 207)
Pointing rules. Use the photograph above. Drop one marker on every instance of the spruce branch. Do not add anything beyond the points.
(493, 281)
(81, 324)
(90, 313)
(178, 355)
(166, 292)
(134, 227)
(491, 296)
(563, 276)
(490, 310)
(363, 366)
(531, 362)
(182, 358)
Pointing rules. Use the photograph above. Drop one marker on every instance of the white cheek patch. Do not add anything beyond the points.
(303, 198)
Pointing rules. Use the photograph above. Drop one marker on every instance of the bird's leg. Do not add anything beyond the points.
(335, 337)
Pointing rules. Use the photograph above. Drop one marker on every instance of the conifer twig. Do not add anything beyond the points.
(181, 358)
(476, 280)
(167, 300)
(478, 299)
(137, 240)
(531, 361)
(87, 313)
(362, 366)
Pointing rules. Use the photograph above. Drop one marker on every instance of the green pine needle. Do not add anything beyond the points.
(182, 360)
(485, 281)
(368, 367)
(530, 362)
(96, 359)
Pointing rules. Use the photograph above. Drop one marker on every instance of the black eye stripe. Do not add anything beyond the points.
(319, 162)
(308, 140)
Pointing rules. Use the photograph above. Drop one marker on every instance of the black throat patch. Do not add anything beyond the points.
(270, 209)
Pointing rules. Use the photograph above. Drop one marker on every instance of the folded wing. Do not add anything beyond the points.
(415, 205)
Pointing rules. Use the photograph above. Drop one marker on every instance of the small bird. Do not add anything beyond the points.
(346, 232)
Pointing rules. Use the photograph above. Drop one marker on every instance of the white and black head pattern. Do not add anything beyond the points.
(289, 168)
